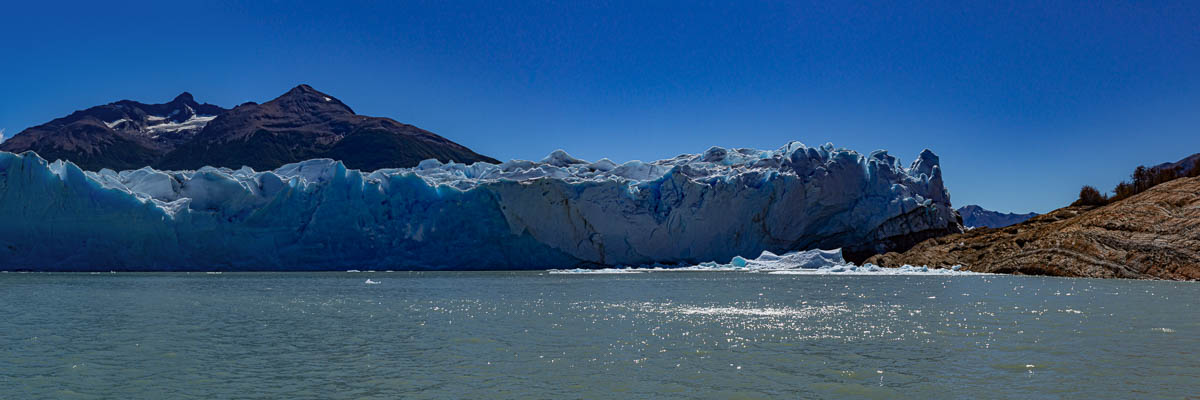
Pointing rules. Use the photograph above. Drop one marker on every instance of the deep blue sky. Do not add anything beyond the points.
(1024, 102)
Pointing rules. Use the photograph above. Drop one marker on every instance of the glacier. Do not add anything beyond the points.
(554, 213)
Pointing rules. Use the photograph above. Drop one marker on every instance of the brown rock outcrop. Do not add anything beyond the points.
(1152, 235)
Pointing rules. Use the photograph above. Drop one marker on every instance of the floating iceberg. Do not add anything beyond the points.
(554, 213)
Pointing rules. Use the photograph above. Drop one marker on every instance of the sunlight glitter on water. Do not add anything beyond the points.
(535, 335)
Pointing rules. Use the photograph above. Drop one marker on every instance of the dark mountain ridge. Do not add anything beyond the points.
(183, 134)
(1184, 165)
(976, 217)
(120, 135)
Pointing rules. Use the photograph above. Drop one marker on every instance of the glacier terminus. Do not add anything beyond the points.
(559, 212)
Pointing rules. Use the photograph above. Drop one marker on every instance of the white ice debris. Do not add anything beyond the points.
(808, 262)
(559, 212)
(600, 271)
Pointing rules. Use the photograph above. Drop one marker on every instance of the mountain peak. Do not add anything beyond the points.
(305, 97)
(301, 89)
(184, 97)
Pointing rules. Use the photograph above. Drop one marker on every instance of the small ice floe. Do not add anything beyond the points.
(371, 282)
(353, 270)
(1164, 330)
(213, 272)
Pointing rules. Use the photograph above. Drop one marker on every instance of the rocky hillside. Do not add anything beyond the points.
(1151, 235)
(183, 134)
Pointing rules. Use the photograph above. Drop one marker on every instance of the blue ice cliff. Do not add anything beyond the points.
(554, 213)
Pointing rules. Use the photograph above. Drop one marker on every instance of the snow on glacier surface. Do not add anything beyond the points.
(557, 212)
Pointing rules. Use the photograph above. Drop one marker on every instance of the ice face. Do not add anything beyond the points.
(559, 212)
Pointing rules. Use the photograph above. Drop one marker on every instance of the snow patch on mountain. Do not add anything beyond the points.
(114, 124)
(193, 123)
(155, 125)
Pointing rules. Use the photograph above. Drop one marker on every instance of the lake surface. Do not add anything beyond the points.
(539, 335)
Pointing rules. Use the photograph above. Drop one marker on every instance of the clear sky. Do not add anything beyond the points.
(1024, 102)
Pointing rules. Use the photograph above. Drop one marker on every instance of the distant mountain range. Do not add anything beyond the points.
(301, 124)
(1184, 165)
(976, 217)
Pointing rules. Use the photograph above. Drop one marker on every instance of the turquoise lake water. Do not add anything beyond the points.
(539, 335)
